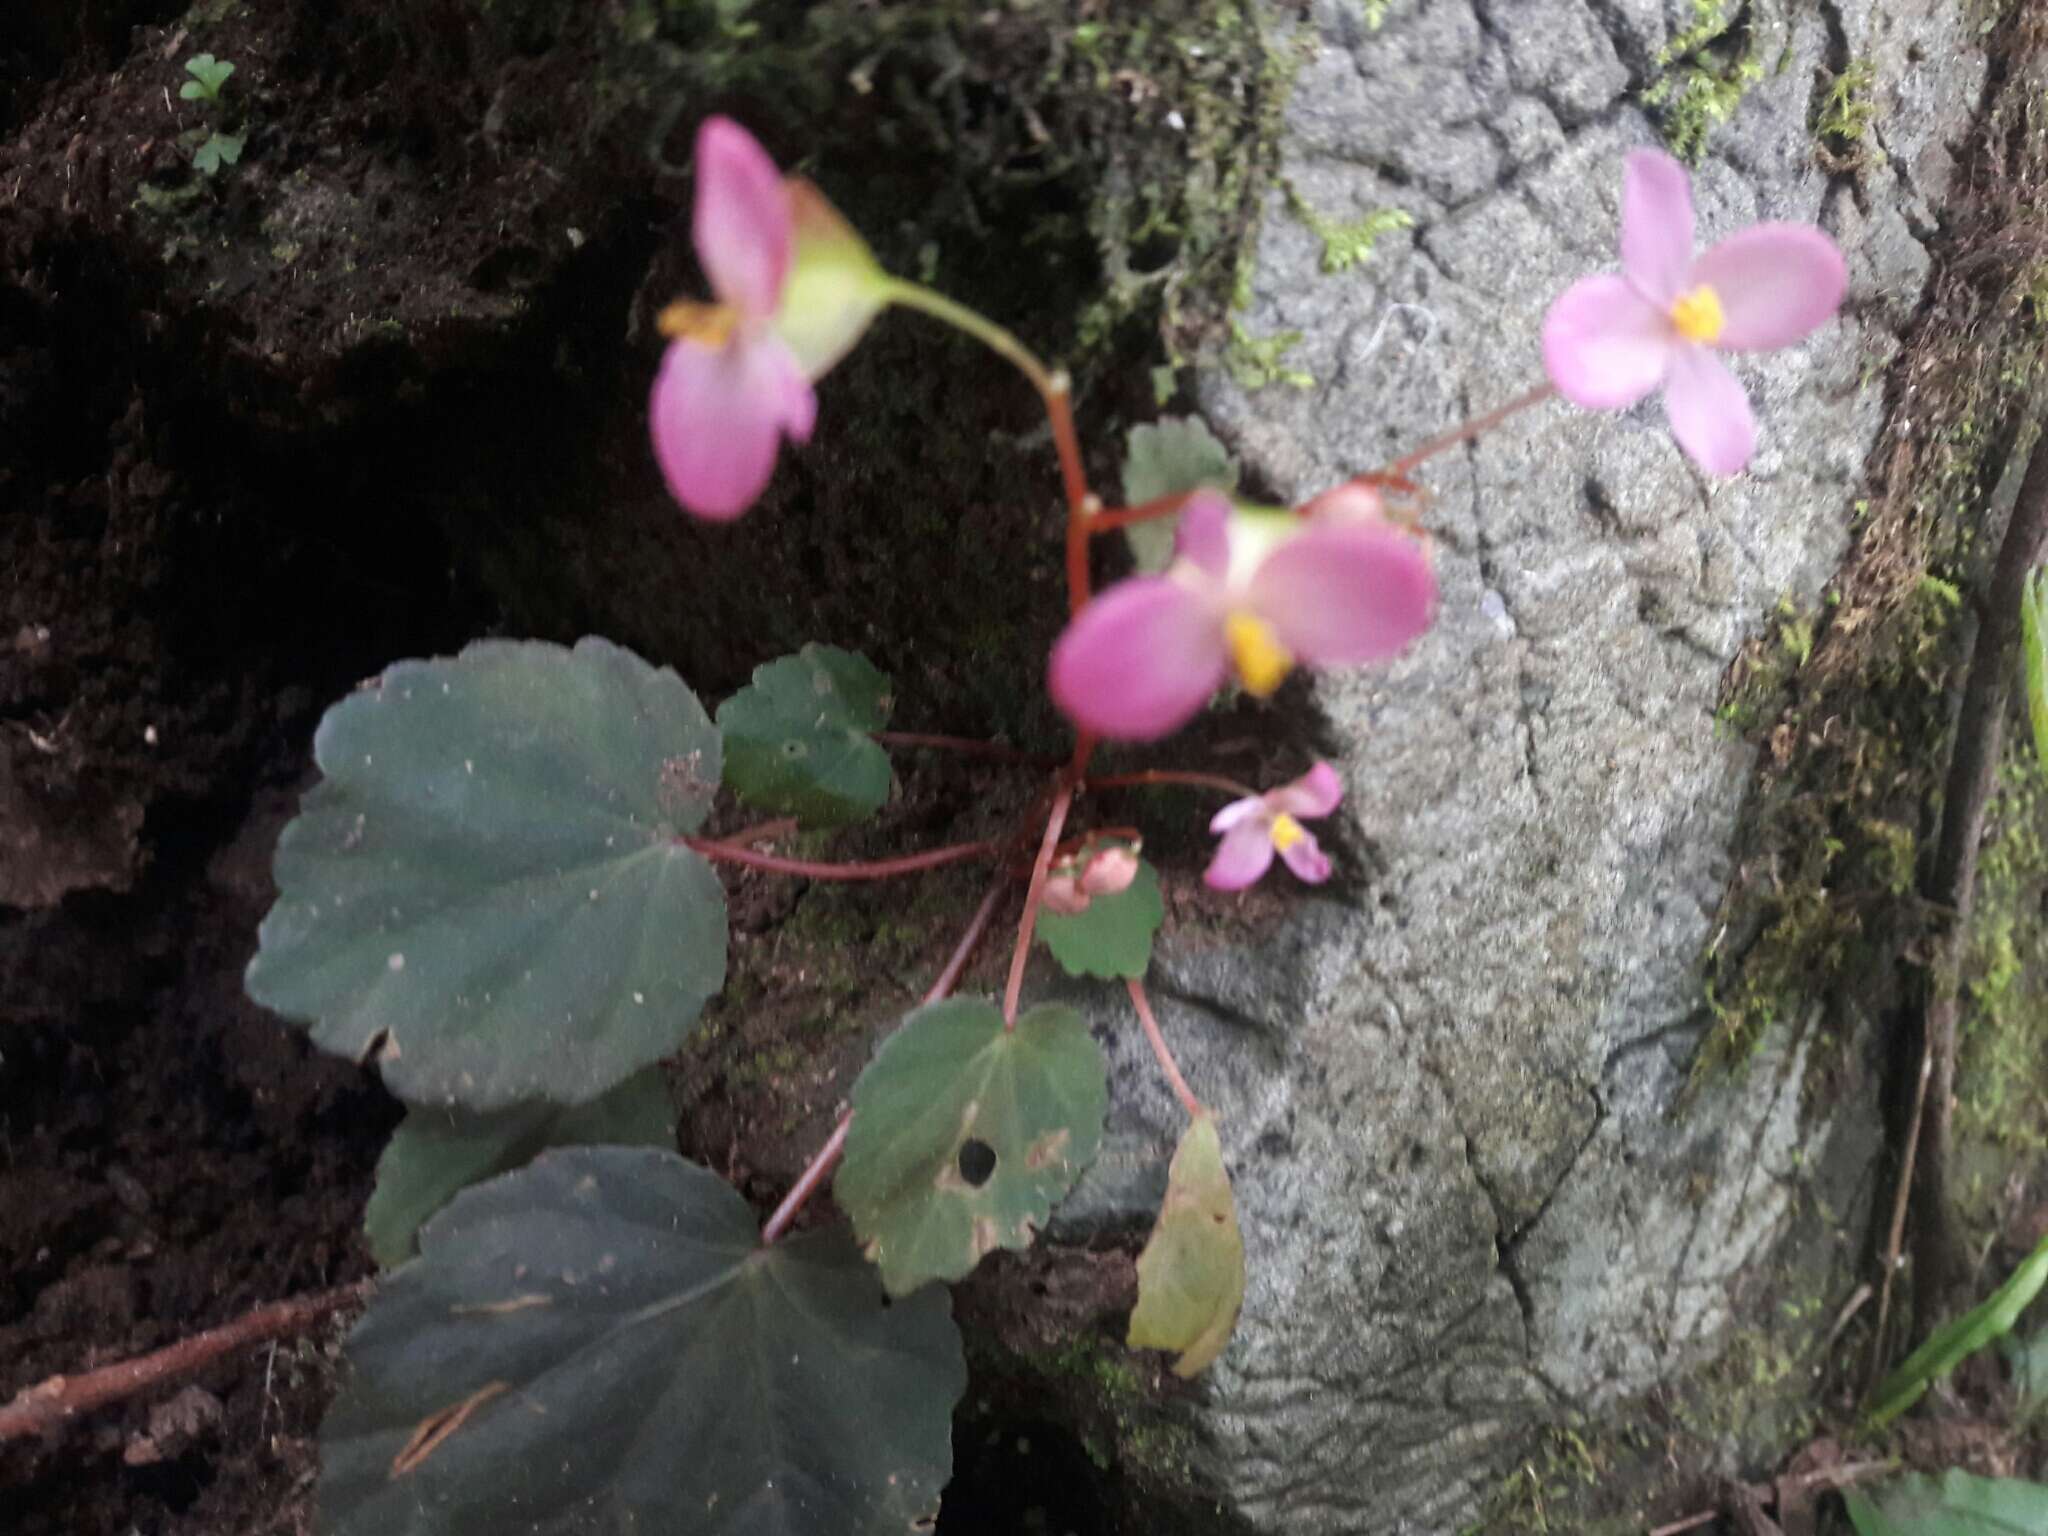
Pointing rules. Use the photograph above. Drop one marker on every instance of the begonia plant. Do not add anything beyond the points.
(502, 897)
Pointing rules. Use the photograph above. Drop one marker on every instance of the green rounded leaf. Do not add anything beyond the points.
(965, 1135)
(799, 742)
(486, 894)
(1191, 1274)
(1175, 453)
(1113, 937)
(436, 1153)
(1958, 1504)
(598, 1342)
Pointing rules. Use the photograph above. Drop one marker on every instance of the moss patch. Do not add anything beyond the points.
(1856, 736)
(1703, 74)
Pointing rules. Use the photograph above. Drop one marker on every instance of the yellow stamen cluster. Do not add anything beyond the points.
(1261, 660)
(710, 324)
(1698, 314)
(1286, 832)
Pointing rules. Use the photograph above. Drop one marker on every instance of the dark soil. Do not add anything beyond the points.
(371, 392)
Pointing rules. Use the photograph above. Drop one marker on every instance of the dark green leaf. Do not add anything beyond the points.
(1957, 1505)
(1164, 457)
(486, 894)
(1191, 1274)
(965, 1135)
(1113, 937)
(798, 738)
(437, 1152)
(1965, 1336)
(598, 1343)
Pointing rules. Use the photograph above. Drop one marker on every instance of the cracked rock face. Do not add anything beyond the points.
(1469, 1200)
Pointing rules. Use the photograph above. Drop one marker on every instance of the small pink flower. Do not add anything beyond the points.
(1072, 885)
(1252, 591)
(1608, 341)
(794, 288)
(1253, 830)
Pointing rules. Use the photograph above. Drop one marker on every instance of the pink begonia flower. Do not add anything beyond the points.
(1253, 830)
(1608, 341)
(1253, 591)
(794, 288)
(1073, 884)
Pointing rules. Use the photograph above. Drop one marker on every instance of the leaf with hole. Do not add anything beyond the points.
(1163, 458)
(486, 894)
(436, 1153)
(965, 1135)
(1191, 1274)
(1112, 937)
(799, 738)
(599, 1342)
(1956, 1505)
(1949, 1344)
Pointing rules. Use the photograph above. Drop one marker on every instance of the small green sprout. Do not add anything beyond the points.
(208, 76)
(219, 149)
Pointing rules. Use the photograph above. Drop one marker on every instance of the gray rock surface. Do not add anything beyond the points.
(1450, 1108)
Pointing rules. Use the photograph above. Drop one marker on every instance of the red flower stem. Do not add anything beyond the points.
(1171, 776)
(877, 869)
(807, 1182)
(1167, 1064)
(1144, 512)
(1084, 748)
(947, 979)
(1471, 429)
(966, 745)
(1054, 821)
(814, 1173)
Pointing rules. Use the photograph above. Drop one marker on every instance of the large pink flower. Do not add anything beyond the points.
(1253, 830)
(794, 287)
(1253, 591)
(1608, 341)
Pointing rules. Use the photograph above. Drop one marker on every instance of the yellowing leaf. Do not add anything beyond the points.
(1191, 1274)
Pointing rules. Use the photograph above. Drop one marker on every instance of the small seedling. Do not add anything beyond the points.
(208, 76)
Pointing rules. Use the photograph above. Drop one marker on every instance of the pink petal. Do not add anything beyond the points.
(1709, 412)
(1776, 283)
(1349, 502)
(1140, 660)
(1244, 854)
(1315, 794)
(1306, 858)
(1203, 535)
(717, 417)
(1110, 871)
(1345, 593)
(742, 223)
(1062, 895)
(1234, 813)
(1604, 345)
(1656, 226)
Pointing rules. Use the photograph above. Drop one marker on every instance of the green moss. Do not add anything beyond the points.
(2002, 1058)
(1345, 244)
(1846, 109)
(1704, 73)
(1852, 710)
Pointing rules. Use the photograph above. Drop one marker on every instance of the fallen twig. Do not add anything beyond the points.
(48, 1405)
